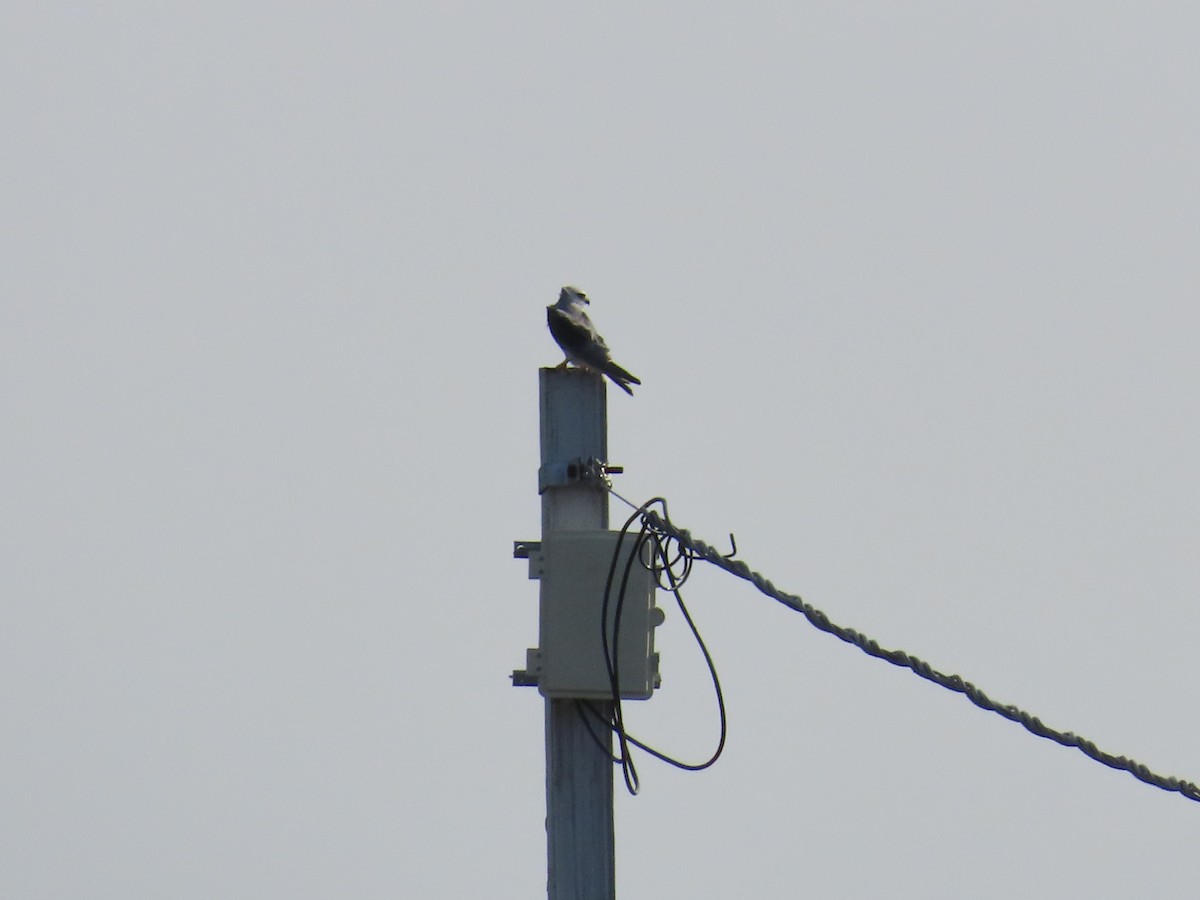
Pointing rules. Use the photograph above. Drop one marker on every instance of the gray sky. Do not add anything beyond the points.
(912, 292)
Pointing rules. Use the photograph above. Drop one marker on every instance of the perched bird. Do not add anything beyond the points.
(579, 340)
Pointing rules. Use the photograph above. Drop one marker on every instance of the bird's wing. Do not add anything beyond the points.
(581, 318)
(576, 335)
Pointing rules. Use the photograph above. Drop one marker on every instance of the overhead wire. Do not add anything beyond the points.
(666, 532)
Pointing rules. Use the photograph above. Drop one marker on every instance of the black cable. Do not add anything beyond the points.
(712, 671)
(659, 562)
(582, 707)
(611, 657)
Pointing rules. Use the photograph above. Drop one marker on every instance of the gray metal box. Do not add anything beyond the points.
(573, 567)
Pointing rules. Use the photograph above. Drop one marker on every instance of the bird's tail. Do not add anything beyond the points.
(621, 378)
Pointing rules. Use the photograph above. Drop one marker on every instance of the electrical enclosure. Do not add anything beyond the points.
(573, 567)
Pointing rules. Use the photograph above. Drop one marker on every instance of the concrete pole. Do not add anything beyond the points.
(579, 774)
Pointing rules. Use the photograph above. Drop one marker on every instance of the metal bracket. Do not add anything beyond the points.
(532, 551)
(523, 549)
(529, 676)
(589, 472)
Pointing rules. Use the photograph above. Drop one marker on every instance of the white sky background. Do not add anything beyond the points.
(913, 295)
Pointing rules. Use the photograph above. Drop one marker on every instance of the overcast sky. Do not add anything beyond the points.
(912, 292)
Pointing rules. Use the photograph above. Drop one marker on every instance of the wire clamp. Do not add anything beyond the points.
(589, 472)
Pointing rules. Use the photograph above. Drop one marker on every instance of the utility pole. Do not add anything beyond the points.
(579, 771)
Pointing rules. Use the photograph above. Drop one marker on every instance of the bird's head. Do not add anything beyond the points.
(572, 294)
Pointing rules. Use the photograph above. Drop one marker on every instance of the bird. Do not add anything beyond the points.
(580, 341)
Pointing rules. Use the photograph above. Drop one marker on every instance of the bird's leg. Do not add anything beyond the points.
(563, 364)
